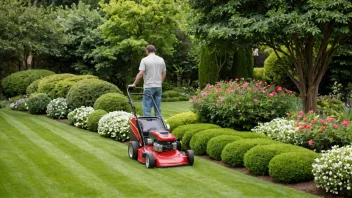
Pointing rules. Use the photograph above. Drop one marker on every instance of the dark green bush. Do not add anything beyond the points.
(93, 119)
(86, 92)
(330, 106)
(171, 94)
(37, 103)
(112, 102)
(16, 83)
(217, 144)
(63, 86)
(186, 138)
(181, 130)
(257, 159)
(259, 73)
(33, 87)
(181, 119)
(274, 70)
(292, 167)
(47, 84)
(233, 153)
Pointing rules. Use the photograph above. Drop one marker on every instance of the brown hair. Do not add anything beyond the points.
(150, 48)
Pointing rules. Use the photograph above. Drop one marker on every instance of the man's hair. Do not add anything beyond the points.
(150, 48)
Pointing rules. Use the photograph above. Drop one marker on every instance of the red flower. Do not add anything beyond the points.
(335, 126)
(305, 119)
(301, 113)
(314, 121)
(297, 124)
(323, 128)
(345, 123)
(279, 88)
(256, 100)
(310, 142)
(270, 95)
(322, 122)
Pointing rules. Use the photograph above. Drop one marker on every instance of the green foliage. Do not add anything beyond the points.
(275, 70)
(207, 69)
(217, 144)
(181, 119)
(259, 73)
(292, 167)
(243, 63)
(63, 86)
(79, 117)
(37, 103)
(233, 153)
(190, 132)
(33, 87)
(93, 119)
(86, 92)
(47, 84)
(170, 94)
(57, 108)
(16, 83)
(330, 106)
(112, 102)
(181, 130)
(4, 104)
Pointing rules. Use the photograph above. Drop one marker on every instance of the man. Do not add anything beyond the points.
(153, 70)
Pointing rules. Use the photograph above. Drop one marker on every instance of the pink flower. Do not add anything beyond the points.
(236, 79)
(305, 119)
(216, 104)
(311, 111)
(301, 113)
(310, 142)
(242, 78)
(279, 88)
(335, 126)
(323, 128)
(297, 124)
(314, 121)
(270, 95)
(260, 82)
(222, 99)
(256, 100)
(322, 122)
(329, 119)
(345, 123)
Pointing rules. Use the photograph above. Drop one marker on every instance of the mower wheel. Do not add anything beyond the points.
(190, 157)
(178, 145)
(149, 160)
(133, 150)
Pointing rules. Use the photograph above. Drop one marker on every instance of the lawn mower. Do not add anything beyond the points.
(152, 143)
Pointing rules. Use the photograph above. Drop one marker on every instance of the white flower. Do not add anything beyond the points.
(115, 124)
(79, 116)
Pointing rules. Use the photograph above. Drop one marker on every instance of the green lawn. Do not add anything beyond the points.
(41, 157)
(170, 108)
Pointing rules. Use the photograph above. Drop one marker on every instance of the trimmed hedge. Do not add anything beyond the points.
(63, 86)
(93, 119)
(37, 103)
(233, 153)
(217, 144)
(181, 119)
(33, 87)
(47, 84)
(112, 102)
(186, 139)
(181, 130)
(292, 167)
(86, 92)
(171, 94)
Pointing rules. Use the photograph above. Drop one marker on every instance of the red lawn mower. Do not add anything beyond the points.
(151, 143)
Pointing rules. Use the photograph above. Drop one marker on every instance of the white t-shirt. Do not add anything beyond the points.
(153, 66)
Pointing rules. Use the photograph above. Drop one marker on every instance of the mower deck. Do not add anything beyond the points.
(164, 159)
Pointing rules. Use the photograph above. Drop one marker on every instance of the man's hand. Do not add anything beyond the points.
(132, 85)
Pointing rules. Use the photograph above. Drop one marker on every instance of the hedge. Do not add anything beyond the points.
(181, 119)
(186, 138)
(181, 130)
(93, 119)
(63, 86)
(37, 103)
(47, 84)
(217, 144)
(112, 102)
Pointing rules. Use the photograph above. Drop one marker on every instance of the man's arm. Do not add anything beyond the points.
(138, 78)
(163, 76)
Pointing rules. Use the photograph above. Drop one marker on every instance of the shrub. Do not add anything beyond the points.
(16, 83)
(33, 87)
(333, 171)
(63, 86)
(115, 125)
(186, 139)
(243, 63)
(176, 99)
(47, 84)
(217, 144)
(37, 103)
(330, 106)
(181, 130)
(233, 153)
(79, 117)
(93, 119)
(181, 119)
(292, 167)
(86, 92)
(4, 104)
(259, 73)
(57, 108)
(171, 94)
(241, 105)
(112, 102)
(274, 70)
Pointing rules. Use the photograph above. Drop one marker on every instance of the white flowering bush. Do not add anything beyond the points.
(57, 108)
(279, 129)
(79, 117)
(333, 171)
(115, 125)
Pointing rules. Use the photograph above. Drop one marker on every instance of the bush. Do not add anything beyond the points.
(86, 92)
(79, 117)
(292, 167)
(115, 125)
(330, 106)
(233, 153)
(33, 87)
(181, 119)
(63, 86)
(47, 84)
(274, 70)
(333, 171)
(181, 130)
(186, 138)
(171, 94)
(93, 119)
(112, 102)
(57, 108)
(241, 105)
(4, 104)
(259, 74)
(176, 99)
(20, 104)
(37, 103)
(217, 144)
(16, 83)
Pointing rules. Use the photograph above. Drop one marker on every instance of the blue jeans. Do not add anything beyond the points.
(147, 103)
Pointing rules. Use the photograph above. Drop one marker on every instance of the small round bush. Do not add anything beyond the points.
(112, 102)
(115, 125)
(37, 103)
(233, 153)
(171, 94)
(292, 167)
(57, 108)
(86, 92)
(33, 87)
(79, 117)
(47, 84)
(186, 139)
(217, 144)
(182, 119)
(93, 119)
(181, 130)
(63, 86)
(333, 171)
(259, 73)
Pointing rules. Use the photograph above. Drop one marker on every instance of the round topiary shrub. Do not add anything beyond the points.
(186, 139)
(181, 119)
(112, 102)
(16, 83)
(292, 167)
(115, 125)
(33, 87)
(217, 144)
(37, 103)
(86, 92)
(181, 130)
(93, 119)
(47, 84)
(57, 108)
(79, 117)
(233, 153)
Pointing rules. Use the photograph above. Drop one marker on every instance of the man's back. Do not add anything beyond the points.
(153, 66)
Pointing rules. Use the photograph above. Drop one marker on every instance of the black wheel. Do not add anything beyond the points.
(190, 157)
(149, 160)
(133, 150)
(178, 145)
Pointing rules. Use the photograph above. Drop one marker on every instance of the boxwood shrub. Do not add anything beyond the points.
(112, 102)
(181, 130)
(63, 86)
(37, 103)
(292, 167)
(33, 87)
(233, 153)
(186, 139)
(217, 144)
(93, 119)
(181, 119)
(47, 84)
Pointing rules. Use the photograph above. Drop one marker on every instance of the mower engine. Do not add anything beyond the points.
(162, 141)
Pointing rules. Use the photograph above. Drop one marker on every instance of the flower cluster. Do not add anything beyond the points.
(79, 116)
(115, 125)
(20, 104)
(57, 108)
(333, 171)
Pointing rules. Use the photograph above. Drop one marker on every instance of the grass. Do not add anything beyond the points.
(41, 157)
(170, 108)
